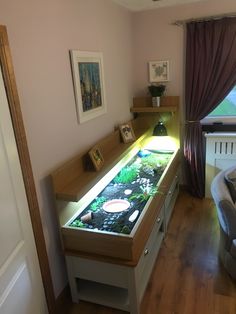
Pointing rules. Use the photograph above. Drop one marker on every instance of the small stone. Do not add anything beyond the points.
(128, 192)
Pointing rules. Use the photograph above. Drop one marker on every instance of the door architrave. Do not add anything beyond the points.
(20, 136)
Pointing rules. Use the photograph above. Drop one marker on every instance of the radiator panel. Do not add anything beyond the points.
(220, 155)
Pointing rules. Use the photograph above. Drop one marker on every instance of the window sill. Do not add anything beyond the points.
(217, 127)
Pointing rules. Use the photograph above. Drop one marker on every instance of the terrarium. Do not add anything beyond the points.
(117, 207)
(116, 213)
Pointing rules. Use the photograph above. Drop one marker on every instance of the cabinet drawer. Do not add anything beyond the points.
(171, 197)
(172, 189)
(149, 253)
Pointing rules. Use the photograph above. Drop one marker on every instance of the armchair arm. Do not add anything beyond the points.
(233, 248)
(227, 217)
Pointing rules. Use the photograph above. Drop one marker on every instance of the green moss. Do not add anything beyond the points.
(150, 161)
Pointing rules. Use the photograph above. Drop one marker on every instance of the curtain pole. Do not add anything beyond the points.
(204, 18)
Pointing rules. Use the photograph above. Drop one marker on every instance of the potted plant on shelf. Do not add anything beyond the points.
(156, 92)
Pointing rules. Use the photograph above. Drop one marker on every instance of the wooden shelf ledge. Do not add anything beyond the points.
(72, 180)
(154, 109)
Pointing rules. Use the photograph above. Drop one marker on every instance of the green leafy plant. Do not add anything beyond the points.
(156, 90)
(146, 192)
(77, 223)
(126, 175)
(97, 204)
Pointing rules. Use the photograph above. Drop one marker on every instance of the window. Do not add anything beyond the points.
(225, 112)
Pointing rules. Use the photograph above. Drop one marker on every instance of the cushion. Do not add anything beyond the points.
(230, 180)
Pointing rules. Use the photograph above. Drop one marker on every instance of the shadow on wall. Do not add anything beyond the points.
(52, 235)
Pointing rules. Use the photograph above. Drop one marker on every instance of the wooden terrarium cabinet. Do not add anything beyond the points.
(107, 267)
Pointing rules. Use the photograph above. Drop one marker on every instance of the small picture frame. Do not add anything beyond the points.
(158, 71)
(96, 158)
(127, 132)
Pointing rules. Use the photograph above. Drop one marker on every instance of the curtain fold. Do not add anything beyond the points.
(209, 76)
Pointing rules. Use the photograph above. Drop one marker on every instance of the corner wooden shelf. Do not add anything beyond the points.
(154, 109)
(144, 104)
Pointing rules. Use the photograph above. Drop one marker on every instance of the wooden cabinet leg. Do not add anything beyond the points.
(133, 293)
(72, 280)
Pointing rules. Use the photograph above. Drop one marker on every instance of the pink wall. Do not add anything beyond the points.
(156, 39)
(41, 34)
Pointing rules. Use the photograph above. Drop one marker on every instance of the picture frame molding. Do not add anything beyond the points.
(153, 76)
(76, 57)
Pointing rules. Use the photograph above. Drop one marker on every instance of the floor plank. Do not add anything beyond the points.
(188, 277)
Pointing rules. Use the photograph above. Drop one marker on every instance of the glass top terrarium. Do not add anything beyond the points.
(118, 205)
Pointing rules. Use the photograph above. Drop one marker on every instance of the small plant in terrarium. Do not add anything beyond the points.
(77, 223)
(127, 175)
(154, 162)
(97, 204)
(147, 191)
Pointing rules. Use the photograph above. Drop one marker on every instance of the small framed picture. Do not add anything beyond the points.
(159, 71)
(96, 157)
(127, 132)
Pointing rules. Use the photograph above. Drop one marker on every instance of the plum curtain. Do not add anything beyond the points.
(210, 75)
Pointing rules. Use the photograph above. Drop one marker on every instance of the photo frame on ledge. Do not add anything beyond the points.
(88, 80)
(158, 71)
(127, 132)
(96, 158)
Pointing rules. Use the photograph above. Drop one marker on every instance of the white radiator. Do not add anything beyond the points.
(220, 155)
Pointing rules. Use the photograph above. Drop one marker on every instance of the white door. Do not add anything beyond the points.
(21, 288)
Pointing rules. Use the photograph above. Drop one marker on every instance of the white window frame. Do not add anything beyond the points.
(220, 119)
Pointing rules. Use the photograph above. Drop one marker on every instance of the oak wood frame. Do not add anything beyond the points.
(20, 136)
(96, 157)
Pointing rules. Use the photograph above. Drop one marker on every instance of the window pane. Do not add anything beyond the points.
(227, 107)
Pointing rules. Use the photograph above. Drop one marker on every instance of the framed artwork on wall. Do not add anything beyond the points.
(127, 132)
(96, 157)
(158, 71)
(88, 79)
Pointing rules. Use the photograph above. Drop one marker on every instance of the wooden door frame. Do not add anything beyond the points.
(20, 136)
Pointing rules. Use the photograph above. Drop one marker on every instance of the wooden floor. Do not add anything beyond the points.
(187, 277)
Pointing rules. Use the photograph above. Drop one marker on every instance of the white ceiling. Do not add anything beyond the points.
(140, 5)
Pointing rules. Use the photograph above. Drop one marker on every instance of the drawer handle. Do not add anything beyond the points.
(146, 252)
(158, 219)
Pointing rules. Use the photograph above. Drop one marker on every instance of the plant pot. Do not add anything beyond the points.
(156, 101)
